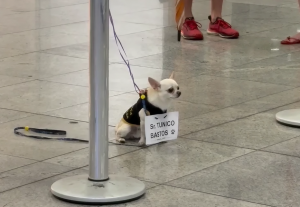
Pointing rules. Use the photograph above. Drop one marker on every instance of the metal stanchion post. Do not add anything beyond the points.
(98, 187)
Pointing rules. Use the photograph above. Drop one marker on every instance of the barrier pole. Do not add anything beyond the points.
(289, 117)
(98, 187)
(99, 48)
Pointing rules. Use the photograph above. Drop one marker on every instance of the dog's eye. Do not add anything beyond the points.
(171, 90)
(177, 87)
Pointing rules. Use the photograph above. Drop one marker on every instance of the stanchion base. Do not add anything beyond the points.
(79, 189)
(289, 117)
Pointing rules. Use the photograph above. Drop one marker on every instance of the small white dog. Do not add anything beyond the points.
(158, 99)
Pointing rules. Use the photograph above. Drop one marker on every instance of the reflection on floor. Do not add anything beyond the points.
(230, 153)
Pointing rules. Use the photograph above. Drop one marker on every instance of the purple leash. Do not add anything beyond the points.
(120, 46)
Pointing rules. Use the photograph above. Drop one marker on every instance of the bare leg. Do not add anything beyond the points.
(216, 9)
(297, 36)
(142, 115)
(188, 8)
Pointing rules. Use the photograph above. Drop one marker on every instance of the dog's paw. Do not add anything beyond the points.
(121, 140)
(142, 143)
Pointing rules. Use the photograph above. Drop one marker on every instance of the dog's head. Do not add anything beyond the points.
(167, 88)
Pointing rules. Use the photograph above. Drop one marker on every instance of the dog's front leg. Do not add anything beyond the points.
(142, 115)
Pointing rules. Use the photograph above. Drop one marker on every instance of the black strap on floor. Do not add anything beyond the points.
(46, 131)
(58, 133)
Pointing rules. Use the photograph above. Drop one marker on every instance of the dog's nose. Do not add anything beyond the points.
(178, 93)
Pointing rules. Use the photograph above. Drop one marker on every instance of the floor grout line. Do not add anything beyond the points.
(214, 165)
(217, 195)
(242, 118)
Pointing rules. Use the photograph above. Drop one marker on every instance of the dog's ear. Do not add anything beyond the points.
(172, 76)
(154, 83)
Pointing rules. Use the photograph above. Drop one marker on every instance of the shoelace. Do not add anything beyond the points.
(223, 24)
(191, 25)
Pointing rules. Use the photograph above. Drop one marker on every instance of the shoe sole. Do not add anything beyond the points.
(191, 38)
(220, 35)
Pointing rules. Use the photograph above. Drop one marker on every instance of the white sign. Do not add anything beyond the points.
(161, 127)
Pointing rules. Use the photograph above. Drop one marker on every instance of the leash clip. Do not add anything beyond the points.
(143, 97)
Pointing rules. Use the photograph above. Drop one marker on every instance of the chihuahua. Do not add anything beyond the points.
(158, 99)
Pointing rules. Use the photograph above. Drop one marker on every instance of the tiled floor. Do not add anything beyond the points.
(231, 152)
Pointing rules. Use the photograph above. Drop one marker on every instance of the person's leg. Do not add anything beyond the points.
(219, 26)
(295, 39)
(188, 8)
(298, 34)
(216, 9)
(190, 28)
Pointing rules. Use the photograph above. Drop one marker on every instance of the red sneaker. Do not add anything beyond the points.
(190, 29)
(222, 28)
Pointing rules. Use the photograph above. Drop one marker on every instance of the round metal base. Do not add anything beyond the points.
(79, 189)
(289, 117)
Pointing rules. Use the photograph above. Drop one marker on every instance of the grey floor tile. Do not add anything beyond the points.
(293, 105)
(223, 92)
(181, 60)
(212, 119)
(128, 28)
(38, 193)
(161, 17)
(37, 150)
(239, 111)
(77, 50)
(45, 18)
(7, 11)
(180, 197)
(46, 4)
(63, 35)
(41, 96)
(135, 48)
(40, 65)
(277, 34)
(162, 163)
(258, 177)
(78, 112)
(283, 69)
(260, 2)
(28, 174)
(119, 7)
(293, 5)
(258, 48)
(29, 5)
(41, 39)
(187, 110)
(254, 132)
(9, 162)
(10, 115)
(119, 78)
(11, 144)
(9, 80)
(80, 158)
(290, 147)
(279, 101)
(278, 14)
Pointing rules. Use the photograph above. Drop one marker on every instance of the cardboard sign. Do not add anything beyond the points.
(161, 127)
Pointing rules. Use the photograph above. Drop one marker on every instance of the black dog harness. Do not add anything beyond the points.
(131, 116)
